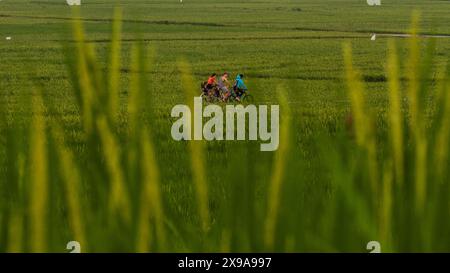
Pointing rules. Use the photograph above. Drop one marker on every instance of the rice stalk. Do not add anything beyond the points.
(442, 138)
(385, 229)
(84, 79)
(196, 150)
(39, 180)
(151, 203)
(225, 241)
(114, 65)
(134, 96)
(279, 168)
(15, 232)
(15, 229)
(413, 74)
(365, 136)
(72, 186)
(119, 202)
(395, 113)
(356, 88)
(134, 107)
(416, 121)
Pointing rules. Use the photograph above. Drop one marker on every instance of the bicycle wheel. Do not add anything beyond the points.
(247, 98)
(205, 98)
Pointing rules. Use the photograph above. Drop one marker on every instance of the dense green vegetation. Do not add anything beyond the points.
(87, 154)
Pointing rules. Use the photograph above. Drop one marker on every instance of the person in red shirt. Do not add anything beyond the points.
(211, 80)
(211, 84)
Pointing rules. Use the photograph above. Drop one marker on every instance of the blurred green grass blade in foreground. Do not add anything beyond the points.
(113, 185)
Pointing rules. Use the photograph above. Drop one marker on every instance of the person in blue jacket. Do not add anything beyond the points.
(239, 86)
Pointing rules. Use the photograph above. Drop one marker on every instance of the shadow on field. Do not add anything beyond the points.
(162, 22)
(210, 24)
(365, 78)
(224, 39)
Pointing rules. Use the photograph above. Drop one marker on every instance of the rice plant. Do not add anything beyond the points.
(103, 184)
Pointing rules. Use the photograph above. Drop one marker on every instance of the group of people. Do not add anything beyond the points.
(222, 88)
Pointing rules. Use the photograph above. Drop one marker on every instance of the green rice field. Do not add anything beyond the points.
(86, 152)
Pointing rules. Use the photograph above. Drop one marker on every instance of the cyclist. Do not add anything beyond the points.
(224, 86)
(211, 85)
(211, 81)
(239, 86)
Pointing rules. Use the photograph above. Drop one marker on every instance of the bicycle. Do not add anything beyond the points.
(215, 95)
(210, 95)
(245, 97)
